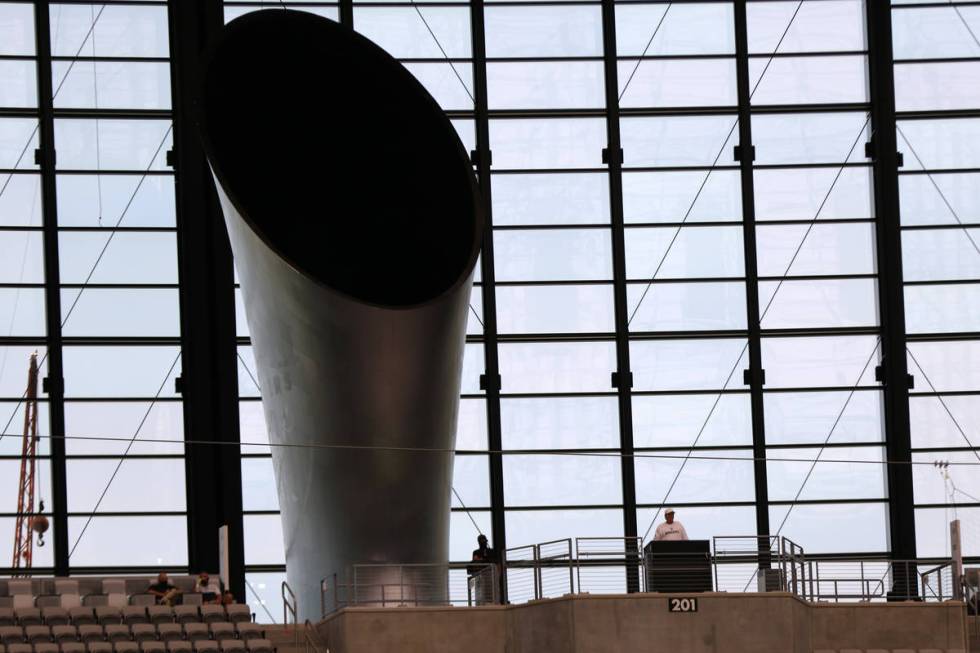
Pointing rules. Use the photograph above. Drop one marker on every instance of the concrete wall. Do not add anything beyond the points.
(724, 623)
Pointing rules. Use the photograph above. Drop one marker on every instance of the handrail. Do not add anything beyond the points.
(308, 632)
(289, 607)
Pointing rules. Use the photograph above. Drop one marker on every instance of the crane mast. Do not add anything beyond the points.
(23, 540)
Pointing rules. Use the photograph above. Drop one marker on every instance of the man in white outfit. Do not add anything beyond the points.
(670, 529)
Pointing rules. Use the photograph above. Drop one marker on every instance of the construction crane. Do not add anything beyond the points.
(28, 521)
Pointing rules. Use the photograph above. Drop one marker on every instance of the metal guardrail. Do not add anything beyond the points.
(290, 607)
(617, 565)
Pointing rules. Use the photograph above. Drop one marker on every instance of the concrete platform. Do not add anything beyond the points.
(724, 623)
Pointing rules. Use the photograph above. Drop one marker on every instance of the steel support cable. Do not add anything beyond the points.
(549, 452)
(965, 24)
(20, 278)
(942, 402)
(125, 453)
(261, 602)
(459, 498)
(714, 163)
(772, 298)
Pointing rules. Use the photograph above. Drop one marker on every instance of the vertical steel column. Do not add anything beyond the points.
(345, 9)
(623, 379)
(893, 371)
(54, 383)
(209, 380)
(490, 381)
(755, 375)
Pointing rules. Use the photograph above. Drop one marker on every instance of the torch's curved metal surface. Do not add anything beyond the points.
(352, 211)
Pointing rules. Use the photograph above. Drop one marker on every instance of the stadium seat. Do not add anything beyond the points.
(239, 612)
(179, 646)
(210, 613)
(186, 614)
(72, 647)
(98, 647)
(55, 616)
(65, 633)
(7, 617)
(205, 646)
(247, 630)
(117, 633)
(260, 646)
(19, 648)
(46, 647)
(135, 614)
(222, 630)
(107, 614)
(11, 635)
(153, 646)
(22, 592)
(125, 647)
(233, 646)
(81, 615)
(195, 631)
(91, 633)
(34, 634)
(143, 632)
(28, 616)
(67, 591)
(160, 614)
(170, 631)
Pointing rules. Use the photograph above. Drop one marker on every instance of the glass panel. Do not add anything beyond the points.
(553, 255)
(948, 365)
(405, 31)
(18, 139)
(16, 32)
(953, 143)
(690, 252)
(130, 312)
(702, 364)
(119, 30)
(686, 306)
(259, 485)
(704, 523)
(12, 410)
(139, 485)
(862, 476)
(471, 434)
(922, 204)
(116, 145)
(547, 143)
(112, 85)
(557, 366)
(817, 528)
(474, 365)
(20, 204)
(42, 556)
(799, 249)
(248, 380)
(121, 371)
(10, 478)
(676, 140)
(107, 428)
(116, 200)
(808, 417)
(931, 485)
(696, 28)
(680, 420)
(781, 138)
(560, 423)
(842, 361)
(463, 534)
(704, 476)
(536, 526)
(14, 364)
(22, 312)
(263, 593)
(670, 196)
(809, 80)
(932, 426)
(819, 303)
(677, 82)
(126, 257)
(545, 85)
(450, 85)
(934, 32)
(817, 26)
(543, 31)
(129, 541)
(932, 531)
(942, 309)
(555, 309)
(811, 193)
(471, 482)
(571, 198)
(21, 257)
(18, 84)
(263, 540)
(937, 86)
(940, 254)
(251, 420)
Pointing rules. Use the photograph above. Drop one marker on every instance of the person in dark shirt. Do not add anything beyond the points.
(484, 553)
(481, 576)
(165, 593)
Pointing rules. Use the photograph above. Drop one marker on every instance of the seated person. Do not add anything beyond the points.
(165, 593)
(210, 589)
(227, 598)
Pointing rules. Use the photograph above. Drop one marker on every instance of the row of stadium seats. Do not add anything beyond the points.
(130, 614)
(126, 632)
(88, 591)
(178, 646)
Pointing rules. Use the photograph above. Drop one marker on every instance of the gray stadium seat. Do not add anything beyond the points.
(72, 647)
(46, 647)
(143, 632)
(205, 646)
(108, 614)
(179, 646)
(160, 614)
(260, 646)
(55, 616)
(233, 646)
(135, 614)
(11, 635)
(196, 631)
(117, 633)
(91, 633)
(153, 647)
(81, 615)
(186, 614)
(222, 630)
(98, 647)
(210, 613)
(28, 616)
(170, 632)
(238, 612)
(125, 647)
(64, 633)
(7, 617)
(247, 630)
(34, 634)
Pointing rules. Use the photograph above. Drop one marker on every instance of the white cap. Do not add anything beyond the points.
(668, 511)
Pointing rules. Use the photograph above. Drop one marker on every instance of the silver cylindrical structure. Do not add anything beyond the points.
(352, 211)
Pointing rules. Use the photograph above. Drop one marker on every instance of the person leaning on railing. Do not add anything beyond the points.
(481, 581)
